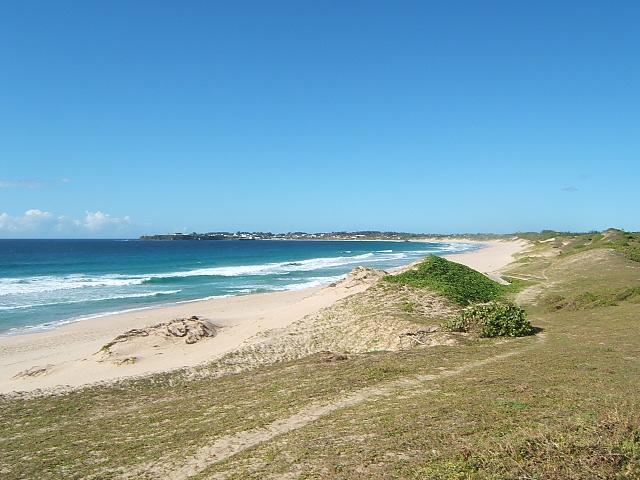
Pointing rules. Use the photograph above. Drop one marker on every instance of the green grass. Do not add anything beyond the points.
(457, 282)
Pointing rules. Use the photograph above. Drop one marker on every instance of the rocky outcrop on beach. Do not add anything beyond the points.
(192, 329)
(36, 371)
(125, 348)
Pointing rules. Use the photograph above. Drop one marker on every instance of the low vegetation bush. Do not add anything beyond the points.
(588, 300)
(494, 319)
(632, 253)
(457, 282)
(627, 243)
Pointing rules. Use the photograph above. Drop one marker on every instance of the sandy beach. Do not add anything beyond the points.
(70, 356)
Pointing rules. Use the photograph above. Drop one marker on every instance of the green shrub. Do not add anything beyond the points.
(494, 319)
(632, 253)
(629, 293)
(457, 282)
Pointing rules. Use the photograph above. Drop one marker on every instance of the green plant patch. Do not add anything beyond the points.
(494, 319)
(457, 282)
(408, 306)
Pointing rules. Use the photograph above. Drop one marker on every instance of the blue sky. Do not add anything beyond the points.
(121, 118)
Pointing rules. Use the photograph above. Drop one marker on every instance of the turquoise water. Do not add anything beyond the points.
(45, 283)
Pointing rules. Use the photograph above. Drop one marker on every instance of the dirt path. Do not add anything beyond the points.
(230, 445)
(530, 294)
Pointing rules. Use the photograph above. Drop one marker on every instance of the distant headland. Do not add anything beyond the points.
(358, 235)
(343, 235)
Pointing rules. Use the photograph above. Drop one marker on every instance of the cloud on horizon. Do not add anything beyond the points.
(570, 189)
(43, 223)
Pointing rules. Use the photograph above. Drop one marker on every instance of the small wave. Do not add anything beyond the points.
(87, 300)
(211, 297)
(22, 286)
(59, 323)
(270, 268)
(312, 282)
(279, 268)
(458, 247)
(243, 291)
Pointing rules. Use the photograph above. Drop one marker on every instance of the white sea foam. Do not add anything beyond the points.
(280, 267)
(210, 297)
(22, 286)
(458, 247)
(87, 300)
(59, 323)
(312, 282)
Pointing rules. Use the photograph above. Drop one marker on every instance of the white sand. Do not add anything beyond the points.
(68, 353)
(492, 258)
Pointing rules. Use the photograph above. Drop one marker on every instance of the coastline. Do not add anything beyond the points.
(161, 277)
(66, 356)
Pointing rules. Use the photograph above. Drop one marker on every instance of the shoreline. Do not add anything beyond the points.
(53, 325)
(66, 355)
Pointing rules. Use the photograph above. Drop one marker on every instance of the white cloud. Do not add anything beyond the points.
(40, 222)
(96, 221)
(4, 221)
(33, 219)
(35, 213)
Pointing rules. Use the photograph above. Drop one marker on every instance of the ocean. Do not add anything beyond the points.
(47, 283)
